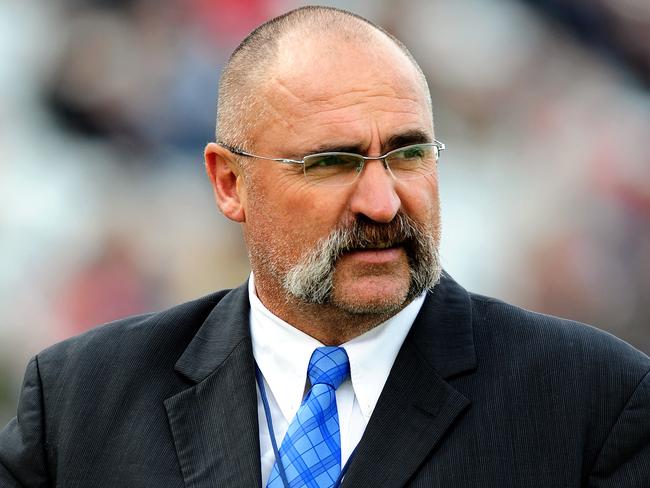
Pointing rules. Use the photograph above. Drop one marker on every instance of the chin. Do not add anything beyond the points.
(377, 301)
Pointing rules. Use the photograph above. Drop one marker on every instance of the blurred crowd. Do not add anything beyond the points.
(106, 105)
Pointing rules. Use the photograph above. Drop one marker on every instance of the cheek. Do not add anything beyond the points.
(292, 216)
(309, 211)
(421, 197)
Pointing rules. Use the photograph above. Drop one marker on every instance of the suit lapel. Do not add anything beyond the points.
(417, 406)
(214, 421)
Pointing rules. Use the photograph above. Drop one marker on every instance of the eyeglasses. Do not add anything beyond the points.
(342, 168)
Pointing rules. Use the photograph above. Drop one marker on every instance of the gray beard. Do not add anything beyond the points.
(312, 279)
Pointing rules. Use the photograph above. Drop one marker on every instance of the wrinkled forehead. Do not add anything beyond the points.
(323, 86)
(330, 64)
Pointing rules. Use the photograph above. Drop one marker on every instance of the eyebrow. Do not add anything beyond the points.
(414, 136)
(328, 147)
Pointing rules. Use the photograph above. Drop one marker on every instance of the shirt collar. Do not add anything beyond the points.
(282, 353)
(373, 353)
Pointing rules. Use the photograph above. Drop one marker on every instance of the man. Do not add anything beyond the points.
(326, 156)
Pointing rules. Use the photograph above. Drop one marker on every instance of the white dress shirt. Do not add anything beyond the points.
(282, 353)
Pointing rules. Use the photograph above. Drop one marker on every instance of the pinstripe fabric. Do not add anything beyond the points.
(482, 394)
(311, 450)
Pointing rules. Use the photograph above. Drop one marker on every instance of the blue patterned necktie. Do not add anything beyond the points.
(311, 450)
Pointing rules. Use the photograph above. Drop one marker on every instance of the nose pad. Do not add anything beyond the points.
(362, 165)
(384, 163)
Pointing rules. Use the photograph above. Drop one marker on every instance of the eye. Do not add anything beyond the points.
(413, 152)
(324, 161)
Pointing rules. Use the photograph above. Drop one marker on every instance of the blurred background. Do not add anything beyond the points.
(105, 107)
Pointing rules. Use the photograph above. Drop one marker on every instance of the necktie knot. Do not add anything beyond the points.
(328, 365)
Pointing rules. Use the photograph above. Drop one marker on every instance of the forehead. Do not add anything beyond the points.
(343, 91)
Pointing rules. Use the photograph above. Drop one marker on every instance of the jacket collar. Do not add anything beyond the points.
(443, 330)
(225, 328)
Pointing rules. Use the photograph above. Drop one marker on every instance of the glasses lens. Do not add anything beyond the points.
(332, 169)
(413, 161)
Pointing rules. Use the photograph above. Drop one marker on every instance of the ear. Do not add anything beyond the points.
(227, 182)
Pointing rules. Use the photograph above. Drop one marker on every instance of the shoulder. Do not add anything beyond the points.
(518, 326)
(134, 342)
(545, 345)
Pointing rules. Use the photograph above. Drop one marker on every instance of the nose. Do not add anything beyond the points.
(374, 193)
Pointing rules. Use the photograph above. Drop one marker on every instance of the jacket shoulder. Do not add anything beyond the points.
(132, 340)
(569, 345)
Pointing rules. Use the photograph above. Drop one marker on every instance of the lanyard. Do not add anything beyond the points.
(276, 452)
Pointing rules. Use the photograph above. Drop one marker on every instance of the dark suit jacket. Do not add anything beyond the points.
(482, 394)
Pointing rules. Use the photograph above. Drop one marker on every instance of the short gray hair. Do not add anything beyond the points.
(251, 61)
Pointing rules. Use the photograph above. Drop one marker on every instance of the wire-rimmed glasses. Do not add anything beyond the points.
(342, 168)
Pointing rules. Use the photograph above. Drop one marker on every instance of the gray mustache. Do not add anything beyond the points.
(366, 234)
(312, 279)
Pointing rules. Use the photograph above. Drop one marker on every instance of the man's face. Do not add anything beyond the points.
(341, 97)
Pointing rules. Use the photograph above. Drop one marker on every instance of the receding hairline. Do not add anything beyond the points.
(243, 74)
